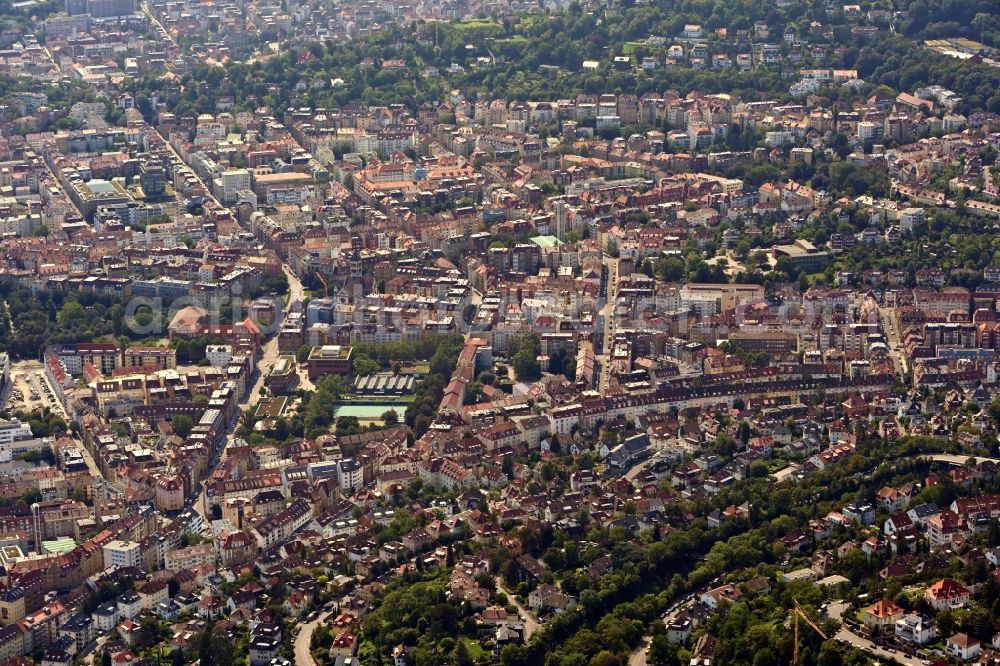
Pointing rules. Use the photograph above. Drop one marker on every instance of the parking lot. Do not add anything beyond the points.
(30, 389)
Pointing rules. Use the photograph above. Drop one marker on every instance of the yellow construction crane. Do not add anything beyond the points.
(797, 612)
(326, 287)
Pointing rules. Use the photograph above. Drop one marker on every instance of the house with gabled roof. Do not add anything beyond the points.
(883, 613)
(548, 597)
(531, 568)
(947, 594)
(964, 647)
(899, 522)
(890, 499)
(728, 593)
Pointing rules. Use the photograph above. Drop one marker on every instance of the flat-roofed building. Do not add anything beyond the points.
(330, 360)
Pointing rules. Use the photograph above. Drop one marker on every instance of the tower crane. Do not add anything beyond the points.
(797, 612)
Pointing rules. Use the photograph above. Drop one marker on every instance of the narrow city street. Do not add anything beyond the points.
(302, 640)
(887, 318)
(638, 656)
(159, 26)
(206, 186)
(296, 292)
(608, 333)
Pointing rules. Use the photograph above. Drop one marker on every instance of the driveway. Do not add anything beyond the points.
(531, 625)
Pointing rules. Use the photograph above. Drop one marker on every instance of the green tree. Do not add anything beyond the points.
(830, 654)
(321, 638)
(605, 658)
(205, 653)
(364, 365)
(181, 425)
(765, 657)
(149, 631)
(524, 351)
(303, 354)
(662, 651)
(670, 269)
(71, 314)
(348, 425)
(461, 654)
(945, 621)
